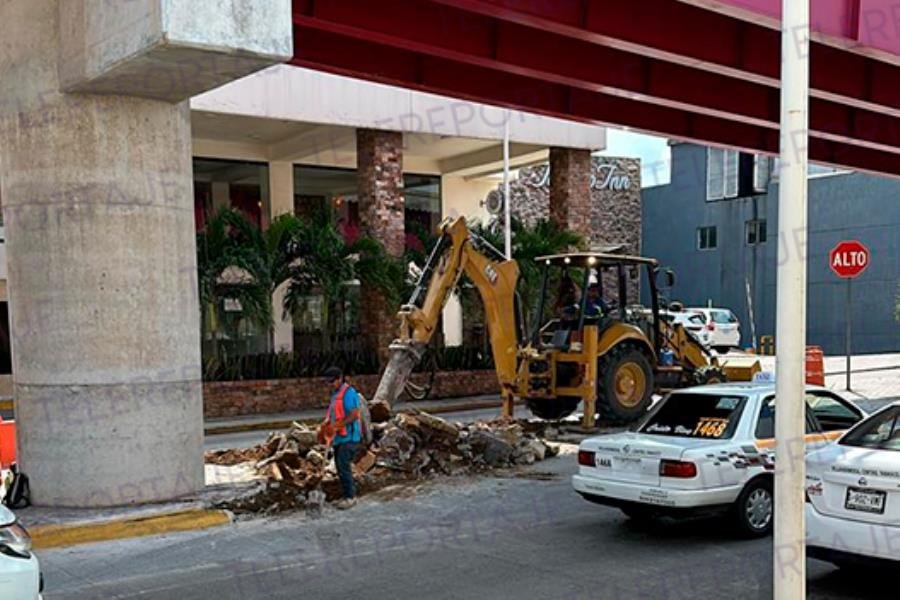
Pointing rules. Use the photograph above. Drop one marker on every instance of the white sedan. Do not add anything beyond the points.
(704, 450)
(853, 494)
(20, 574)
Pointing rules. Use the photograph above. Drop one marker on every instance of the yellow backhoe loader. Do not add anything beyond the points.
(611, 360)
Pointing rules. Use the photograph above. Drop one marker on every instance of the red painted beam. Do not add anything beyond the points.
(329, 51)
(478, 40)
(700, 38)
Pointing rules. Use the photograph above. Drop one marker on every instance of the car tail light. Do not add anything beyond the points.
(586, 458)
(711, 326)
(677, 468)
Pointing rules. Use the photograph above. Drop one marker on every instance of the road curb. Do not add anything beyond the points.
(286, 423)
(71, 534)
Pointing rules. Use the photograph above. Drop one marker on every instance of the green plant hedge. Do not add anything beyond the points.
(312, 363)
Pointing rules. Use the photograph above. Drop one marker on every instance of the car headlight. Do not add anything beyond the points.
(14, 540)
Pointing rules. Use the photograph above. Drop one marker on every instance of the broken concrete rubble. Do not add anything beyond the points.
(408, 446)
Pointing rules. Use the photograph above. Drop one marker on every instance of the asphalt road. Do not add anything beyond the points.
(524, 535)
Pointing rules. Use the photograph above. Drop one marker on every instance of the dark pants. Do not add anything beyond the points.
(343, 459)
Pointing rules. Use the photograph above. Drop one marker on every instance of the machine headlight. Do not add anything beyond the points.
(14, 539)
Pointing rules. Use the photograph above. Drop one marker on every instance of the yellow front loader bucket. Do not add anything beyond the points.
(741, 368)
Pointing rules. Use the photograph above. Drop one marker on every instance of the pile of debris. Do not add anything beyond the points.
(298, 472)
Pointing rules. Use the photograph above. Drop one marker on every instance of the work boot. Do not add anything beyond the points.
(345, 503)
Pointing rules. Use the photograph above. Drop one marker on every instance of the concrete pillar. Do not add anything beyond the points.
(98, 209)
(570, 189)
(379, 160)
(281, 200)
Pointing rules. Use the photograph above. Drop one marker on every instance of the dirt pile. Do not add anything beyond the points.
(298, 472)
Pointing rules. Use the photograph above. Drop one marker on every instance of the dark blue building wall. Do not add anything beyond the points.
(739, 276)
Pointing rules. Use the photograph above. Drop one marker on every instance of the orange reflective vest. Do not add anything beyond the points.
(336, 410)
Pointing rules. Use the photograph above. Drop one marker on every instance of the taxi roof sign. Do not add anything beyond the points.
(764, 377)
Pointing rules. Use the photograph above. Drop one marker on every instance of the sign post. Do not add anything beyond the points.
(848, 259)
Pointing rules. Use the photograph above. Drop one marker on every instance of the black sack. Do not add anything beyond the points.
(19, 493)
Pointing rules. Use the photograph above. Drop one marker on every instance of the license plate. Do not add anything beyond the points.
(632, 465)
(870, 501)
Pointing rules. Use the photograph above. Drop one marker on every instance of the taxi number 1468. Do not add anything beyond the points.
(712, 427)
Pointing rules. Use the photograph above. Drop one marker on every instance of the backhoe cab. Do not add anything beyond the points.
(588, 344)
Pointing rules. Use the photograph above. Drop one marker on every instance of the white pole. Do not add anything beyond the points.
(790, 333)
(507, 228)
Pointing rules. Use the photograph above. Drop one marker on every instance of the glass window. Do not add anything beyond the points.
(881, 432)
(422, 212)
(765, 425)
(722, 168)
(762, 169)
(707, 237)
(723, 316)
(238, 184)
(711, 416)
(831, 413)
(325, 188)
(756, 232)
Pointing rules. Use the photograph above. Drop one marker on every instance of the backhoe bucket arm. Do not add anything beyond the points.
(495, 280)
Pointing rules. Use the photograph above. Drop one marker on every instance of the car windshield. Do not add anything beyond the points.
(683, 414)
(881, 432)
(696, 320)
(723, 316)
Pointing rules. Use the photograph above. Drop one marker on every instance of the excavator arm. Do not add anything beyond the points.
(495, 278)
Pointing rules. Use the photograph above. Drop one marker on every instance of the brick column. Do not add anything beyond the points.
(379, 163)
(570, 193)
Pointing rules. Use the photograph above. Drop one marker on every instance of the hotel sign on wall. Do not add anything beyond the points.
(604, 176)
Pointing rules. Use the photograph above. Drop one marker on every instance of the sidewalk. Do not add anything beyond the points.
(273, 421)
(874, 378)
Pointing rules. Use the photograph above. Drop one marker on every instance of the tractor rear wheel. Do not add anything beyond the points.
(624, 384)
(553, 409)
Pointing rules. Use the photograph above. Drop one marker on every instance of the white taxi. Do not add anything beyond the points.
(20, 572)
(853, 495)
(704, 450)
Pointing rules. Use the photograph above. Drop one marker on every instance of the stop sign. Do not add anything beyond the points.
(849, 258)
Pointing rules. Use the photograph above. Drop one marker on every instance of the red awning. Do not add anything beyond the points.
(669, 67)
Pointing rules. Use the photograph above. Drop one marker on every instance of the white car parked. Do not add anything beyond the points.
(853, 494)
(20, 573)
(723, 327)
(703, 450)
(693, 322)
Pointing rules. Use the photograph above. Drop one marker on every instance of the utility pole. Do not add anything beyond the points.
(790, 427)
(507, 227)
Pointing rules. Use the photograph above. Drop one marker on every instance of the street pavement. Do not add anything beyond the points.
(521, 535)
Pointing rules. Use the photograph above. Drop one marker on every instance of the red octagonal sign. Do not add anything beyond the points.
(849, 258)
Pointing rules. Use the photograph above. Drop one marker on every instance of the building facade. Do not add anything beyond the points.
(716, 224)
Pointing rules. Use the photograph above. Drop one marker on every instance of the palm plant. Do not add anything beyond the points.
(232, 264)
(321, 261)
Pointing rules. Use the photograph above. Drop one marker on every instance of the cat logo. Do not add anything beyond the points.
(491, 274)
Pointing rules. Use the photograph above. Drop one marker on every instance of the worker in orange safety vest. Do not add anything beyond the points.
(342, 428)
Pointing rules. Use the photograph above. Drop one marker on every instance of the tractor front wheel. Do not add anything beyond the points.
(624, 384)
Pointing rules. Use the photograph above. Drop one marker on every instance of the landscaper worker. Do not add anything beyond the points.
(341, 426)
